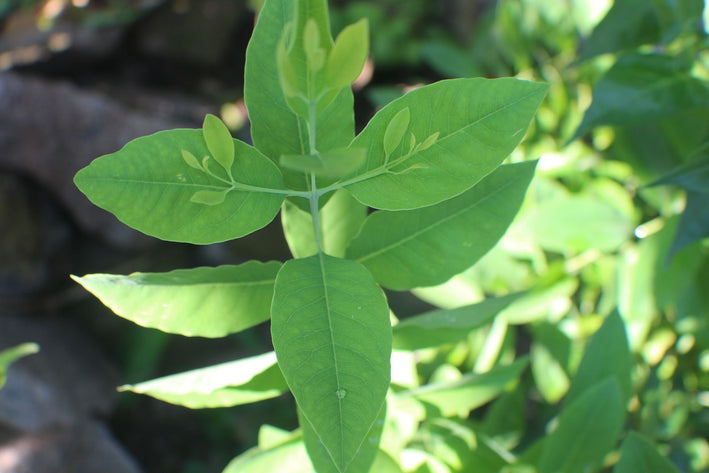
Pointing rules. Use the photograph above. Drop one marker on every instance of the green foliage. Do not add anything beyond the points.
(570, 272)
(12, 354)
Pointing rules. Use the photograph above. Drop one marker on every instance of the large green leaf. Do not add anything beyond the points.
(447, 326)
(643, 87)
(463, 129)
(331, 332)
(606, 355)
(587, 430)
(275, 128)
(427, 246)
(228, 384)
(470, 391)
(340, 220)
(638, 454)
(205, 302)
(149, 186)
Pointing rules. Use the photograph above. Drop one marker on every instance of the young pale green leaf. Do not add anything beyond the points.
(331, 332)
(348, 55)
(311, 43)
(205, 302)
(652, 86)
(479, 121)
(588, 429)
(191, 160)
(638, 454)
(148, 186)
(286, 454)
(12, 354)
(439, 327)
(335, 163)
(219, 141)
(275, 128)
(606, 355)
(340, 220)
(228, 384)
(209, 197)
(470, 391)
(427, 246)
(395, 130)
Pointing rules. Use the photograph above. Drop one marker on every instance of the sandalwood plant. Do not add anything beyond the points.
(418, 196)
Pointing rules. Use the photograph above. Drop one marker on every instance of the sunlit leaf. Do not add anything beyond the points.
(427, 246)
(348, 54)
(148, 186)
(206, 302)
(228, 384)
(479, 122)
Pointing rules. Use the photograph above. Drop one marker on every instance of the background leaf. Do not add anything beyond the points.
(447, 326)
(480, 122)
(205, 302)
(148, 186)
(643, 87)
(228, 384)
(331, 332)
(638, 454)
(587, 431)
(12, 354)
(427, 246)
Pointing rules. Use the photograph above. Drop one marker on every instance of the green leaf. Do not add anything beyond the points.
(439, 327)
(369, 458)
(287, 456)
(348, 55)
(395, 130)
(427, 246)
(275, 128)
(340, 220)
(191, 160)
(331, 332)
(479, 122)
(588, 429)
(692, 175)
(628, 24)
(470, 391)
(205, 302)
(12, 354)
(576, 223)
(694, 223)
(219, 141)
(606, 355)
(641, 88)
(638, 454)
(335, 163)
(228, 384)
(148, 186)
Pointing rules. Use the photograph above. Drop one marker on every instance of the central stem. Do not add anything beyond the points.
(314, 194)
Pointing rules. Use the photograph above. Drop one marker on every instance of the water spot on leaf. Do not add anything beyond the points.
(341, 393)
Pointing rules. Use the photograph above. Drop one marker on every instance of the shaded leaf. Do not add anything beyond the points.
(643, 87)
(331, 332)
(228, 384)
(587, 430)
(335, 163)
(638, 454)
(427, 246)
(205, 302)
(12, 354)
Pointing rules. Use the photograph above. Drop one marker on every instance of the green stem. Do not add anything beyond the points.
(314, 194)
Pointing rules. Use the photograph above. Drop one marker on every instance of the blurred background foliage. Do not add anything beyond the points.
(610, 245)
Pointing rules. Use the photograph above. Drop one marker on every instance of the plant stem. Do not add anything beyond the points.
(314, 194)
